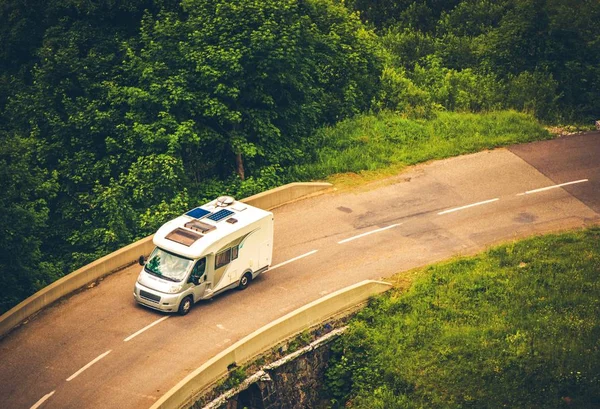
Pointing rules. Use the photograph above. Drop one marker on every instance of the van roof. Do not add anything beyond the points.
(191, 234)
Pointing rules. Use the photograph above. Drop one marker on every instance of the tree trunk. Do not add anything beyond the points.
(239, 165)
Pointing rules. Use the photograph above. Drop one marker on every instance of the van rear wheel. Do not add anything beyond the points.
(186, 305)
(244, 281)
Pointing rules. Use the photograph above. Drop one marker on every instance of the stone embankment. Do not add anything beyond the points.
(292, 382)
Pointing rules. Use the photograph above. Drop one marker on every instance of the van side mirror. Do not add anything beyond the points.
(142, 260)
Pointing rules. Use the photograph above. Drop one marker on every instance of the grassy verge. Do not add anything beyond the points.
(517, 326)
(571, 129)
(387, 140)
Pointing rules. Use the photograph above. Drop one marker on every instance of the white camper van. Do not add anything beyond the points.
(212, 248)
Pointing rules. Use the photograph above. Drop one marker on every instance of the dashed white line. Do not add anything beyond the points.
(456, 209)
(367, 233)
(44, 399)
(145, 328)
(70, 378)
(552, 187)
(293, 259)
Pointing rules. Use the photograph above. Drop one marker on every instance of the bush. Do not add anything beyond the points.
(458, 90)
(534, 92)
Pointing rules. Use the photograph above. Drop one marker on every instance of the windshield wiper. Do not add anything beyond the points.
(156, 273)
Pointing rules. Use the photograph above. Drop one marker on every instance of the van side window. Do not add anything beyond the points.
(226, 256)
(199, 268)
(223, 258)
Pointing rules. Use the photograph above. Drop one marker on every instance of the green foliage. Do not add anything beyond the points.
(300, 341)
(455, 90)
(115, 116)
(398, 93)
(416, 14)
(551, 46)
(26, 190)
(536, 93)
(514, 327)
(234, 379)
(135, 111)
(407, 47)
(232, 80)
(369, 142)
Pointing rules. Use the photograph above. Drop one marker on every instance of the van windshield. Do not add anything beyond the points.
(167, 265)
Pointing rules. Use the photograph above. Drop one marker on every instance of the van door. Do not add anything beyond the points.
(198, 278)
(264, 255)
(234, 274)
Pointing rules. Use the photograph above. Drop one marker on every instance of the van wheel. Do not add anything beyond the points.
(185, 306)
(244, 281)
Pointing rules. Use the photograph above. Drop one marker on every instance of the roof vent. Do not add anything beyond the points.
(181, 236)
(224, 201)
(198, 226)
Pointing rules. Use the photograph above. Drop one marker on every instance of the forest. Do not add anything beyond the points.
(115, 116)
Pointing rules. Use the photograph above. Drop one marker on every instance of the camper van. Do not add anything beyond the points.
(221, 245)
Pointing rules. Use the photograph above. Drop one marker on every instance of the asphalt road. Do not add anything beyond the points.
(87, 352)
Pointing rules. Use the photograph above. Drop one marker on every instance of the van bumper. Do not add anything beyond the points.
(155, 299)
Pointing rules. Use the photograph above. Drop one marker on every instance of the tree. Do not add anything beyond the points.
(235, 85)
(26, 190)
(418, 15)
(555, 39)
(54, 124)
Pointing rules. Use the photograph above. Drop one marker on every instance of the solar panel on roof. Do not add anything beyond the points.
(220, 215)
(197, 213)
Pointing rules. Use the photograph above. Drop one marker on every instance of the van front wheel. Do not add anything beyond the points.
(244, 281)
(186, 305)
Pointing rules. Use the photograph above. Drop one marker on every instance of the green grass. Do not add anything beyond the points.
(517, 326)
(373, 142)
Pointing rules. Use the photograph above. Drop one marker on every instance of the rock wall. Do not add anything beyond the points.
(293, 382)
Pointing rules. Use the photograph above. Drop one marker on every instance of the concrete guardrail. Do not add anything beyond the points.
(79, 278)
(128, 255)
(285, 194)
(186, 392)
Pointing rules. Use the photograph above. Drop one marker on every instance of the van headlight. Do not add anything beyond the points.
(175, 289)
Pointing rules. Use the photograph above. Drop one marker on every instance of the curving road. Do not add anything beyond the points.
(98, 349)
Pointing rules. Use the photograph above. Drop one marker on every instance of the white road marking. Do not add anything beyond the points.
(552, 187)
(70, 378)
(44, 399)
(293, 259)
(367, 233)
(456, 209)
(145, 328)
